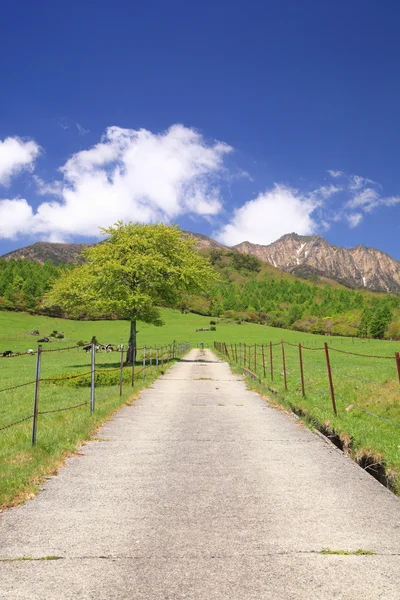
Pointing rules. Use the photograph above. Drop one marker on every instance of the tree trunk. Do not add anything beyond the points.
(132, 343)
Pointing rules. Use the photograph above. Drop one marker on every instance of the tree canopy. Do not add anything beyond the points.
(134, 271)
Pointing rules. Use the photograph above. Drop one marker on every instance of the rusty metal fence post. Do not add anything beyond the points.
(397, 356)
(121, 373)
(271, 361)
(284, 363)
(263, 359)
(133, 365)
(92, 376)
(328, 364)
(36, 396)
(301, 371)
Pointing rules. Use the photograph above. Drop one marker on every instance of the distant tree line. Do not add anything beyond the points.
(246, 292)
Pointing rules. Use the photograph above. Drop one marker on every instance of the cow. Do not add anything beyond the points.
(45, 339)
(88, 347)
(120, 347)
(108, 347)
(8, 353)
(30, 351)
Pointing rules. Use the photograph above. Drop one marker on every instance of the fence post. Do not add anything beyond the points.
(92, 376)
(133, 365)
(255, 358)
(36, 396)
(144, 362)
(398, 364)
(271, 361)
(236, 353)
(244, 354)
(240, 353)
(157, 358)
(121, 375)
(301, 370)
(284, 363)
(263, 359)
(328, 364)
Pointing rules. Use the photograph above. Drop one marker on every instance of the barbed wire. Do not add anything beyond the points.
(16, 423)
(55, 410)
(358, 354)
(14, 387)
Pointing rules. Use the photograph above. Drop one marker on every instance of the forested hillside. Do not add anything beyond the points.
(23, 284)
(251, 290)
(248, 290)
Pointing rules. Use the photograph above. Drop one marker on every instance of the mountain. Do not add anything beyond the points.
(58, 254)
(304, 256)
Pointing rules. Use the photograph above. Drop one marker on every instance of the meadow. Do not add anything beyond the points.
(361, 384)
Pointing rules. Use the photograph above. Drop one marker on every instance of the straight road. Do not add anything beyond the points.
(201, 491)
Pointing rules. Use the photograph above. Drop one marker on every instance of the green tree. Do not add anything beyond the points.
(134, 271)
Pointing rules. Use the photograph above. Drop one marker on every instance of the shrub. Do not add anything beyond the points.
(213, 322)
(213, 328)
(59, 336)
(81, 343)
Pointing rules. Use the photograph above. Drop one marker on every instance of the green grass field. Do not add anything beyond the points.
(370, 384)
(367, 394)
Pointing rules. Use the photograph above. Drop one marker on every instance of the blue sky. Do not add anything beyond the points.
(240, 120)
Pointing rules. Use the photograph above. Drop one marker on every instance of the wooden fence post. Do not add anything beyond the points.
(398, 364)
(263, 359)
(271, 361)
(328, 364)
(301, 370)
(284, 363)
(133, 365)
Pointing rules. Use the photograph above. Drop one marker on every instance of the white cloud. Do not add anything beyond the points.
(366, 200)
(354, 219)
(335, 173)
(15, 217)
(356, 182)
(326, 191)
(271, 215)
(16, 155)
(131, 175)
(82, 130)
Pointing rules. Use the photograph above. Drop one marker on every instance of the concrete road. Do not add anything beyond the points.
(201, 491)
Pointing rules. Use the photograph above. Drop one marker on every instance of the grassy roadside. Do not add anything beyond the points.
(368, 404)
(23, 467)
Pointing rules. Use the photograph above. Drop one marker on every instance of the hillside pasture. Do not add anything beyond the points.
(370, 384)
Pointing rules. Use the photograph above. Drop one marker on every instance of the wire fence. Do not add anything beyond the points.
(348, 380)
(134, 363)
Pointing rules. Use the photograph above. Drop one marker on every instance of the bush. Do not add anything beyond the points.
(59, 336)
(213, 322)
(81, 343)
(213, 328)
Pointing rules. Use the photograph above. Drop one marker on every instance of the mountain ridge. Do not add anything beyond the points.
(360, 267)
